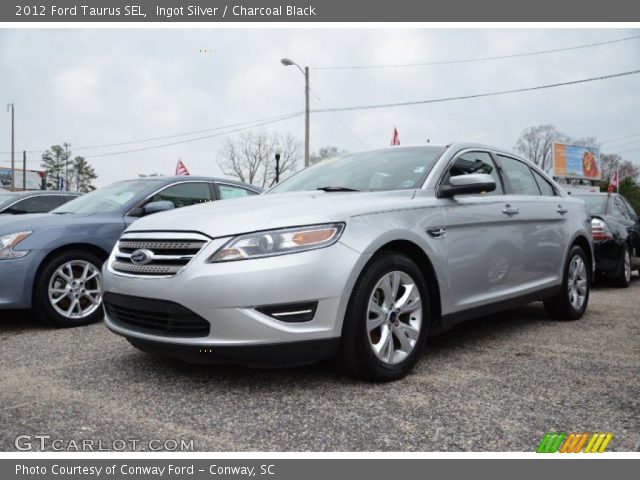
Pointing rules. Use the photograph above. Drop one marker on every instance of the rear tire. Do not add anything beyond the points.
(571, 301)
(387, 320)
(622, 278)
(67, 291)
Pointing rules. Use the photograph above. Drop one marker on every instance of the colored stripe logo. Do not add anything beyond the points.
(585, 442)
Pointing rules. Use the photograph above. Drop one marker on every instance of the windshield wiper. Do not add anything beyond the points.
(337, 189)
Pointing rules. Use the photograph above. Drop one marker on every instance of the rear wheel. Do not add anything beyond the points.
(571, 302)
(623, 276)
(68, 290)
(387, 320)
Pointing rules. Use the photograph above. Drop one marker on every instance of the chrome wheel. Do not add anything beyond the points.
(577, 282)
(74, 289)
(394, 317)
(627, 266)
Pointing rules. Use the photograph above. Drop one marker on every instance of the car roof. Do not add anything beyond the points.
(176, 178)
(33, 193)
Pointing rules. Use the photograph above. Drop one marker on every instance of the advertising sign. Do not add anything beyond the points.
(573, 161)
(33, 179)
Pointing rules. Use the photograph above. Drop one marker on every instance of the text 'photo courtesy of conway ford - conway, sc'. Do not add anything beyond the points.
(356, 259)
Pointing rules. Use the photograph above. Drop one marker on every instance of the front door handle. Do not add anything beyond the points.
(509, 210)
(561, 210)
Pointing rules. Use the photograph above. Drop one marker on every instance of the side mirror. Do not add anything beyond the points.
(160, 206)
(473, 183)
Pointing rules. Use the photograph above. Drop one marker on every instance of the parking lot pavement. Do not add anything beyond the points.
(494, 384)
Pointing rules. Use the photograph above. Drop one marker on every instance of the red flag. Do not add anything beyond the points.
(614, 183)
(181, 168)
(395, 140)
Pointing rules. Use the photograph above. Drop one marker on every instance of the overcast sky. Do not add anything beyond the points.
(106, 86)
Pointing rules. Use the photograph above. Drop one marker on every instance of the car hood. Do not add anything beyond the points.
(268, 211)
(41, 221)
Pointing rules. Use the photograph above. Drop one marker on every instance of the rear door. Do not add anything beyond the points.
(483, 249)
(541, 222)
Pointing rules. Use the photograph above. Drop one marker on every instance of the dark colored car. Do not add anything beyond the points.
(52, 262)
(38, 201)
(616, 236)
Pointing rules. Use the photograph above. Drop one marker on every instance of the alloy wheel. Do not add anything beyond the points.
(627, 266)
(75, 289)
(577, 282)
(394, 317)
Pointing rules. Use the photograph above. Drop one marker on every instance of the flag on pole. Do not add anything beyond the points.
(181, 168)
(614, 182)
(395, 140)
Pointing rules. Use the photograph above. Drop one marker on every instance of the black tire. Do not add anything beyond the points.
(622, 278)
(560, 306)
(42, 306)
(356, 356)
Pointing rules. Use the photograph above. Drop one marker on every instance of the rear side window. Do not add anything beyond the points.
(476, 162)
(184, 194)
(520, 176)
(37, 204)
(545, 187)
(620, 209)
(634, 215)
(233, 191)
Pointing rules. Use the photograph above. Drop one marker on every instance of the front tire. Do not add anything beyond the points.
(387, 320)
(571, 302)
(68, 290)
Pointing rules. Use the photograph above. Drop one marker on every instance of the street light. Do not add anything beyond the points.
(287, 62)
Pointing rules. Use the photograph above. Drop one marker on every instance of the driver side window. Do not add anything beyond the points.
(184, 194)
(476, 162)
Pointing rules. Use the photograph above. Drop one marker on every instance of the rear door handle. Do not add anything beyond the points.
(561, 210)
(509, 210)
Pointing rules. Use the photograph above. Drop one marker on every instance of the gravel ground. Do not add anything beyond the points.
(494, 384)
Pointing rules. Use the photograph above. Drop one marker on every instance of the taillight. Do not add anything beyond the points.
(600, 230)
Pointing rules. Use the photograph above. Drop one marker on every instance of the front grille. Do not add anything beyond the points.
(157, 317)
(138, 255)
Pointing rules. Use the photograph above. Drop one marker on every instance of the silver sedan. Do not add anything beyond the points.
(358, 258)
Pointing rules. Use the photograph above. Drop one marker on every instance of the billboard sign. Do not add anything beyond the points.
(32, 178)
(574, 161)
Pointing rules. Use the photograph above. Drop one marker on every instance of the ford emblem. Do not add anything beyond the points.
(141, 257)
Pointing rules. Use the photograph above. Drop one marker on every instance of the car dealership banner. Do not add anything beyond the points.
(316, 11)
(575, 161)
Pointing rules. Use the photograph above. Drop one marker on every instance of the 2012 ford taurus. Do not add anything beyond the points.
(358, 258)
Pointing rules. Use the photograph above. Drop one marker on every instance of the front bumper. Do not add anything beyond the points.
(226, 296)
(16, 280)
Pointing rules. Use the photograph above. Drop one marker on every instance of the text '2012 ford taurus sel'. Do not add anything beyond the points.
(357, 258)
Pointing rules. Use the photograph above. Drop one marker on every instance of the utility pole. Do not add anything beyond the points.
(24, 170)
(13, 155)
(307, 112)
(66, 165)
(306, 116)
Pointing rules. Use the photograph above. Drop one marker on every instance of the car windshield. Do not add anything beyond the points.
(390, 169)
(111, 197)
(595, 203)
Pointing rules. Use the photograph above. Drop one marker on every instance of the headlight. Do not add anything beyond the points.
(7, 242)
(279, 242)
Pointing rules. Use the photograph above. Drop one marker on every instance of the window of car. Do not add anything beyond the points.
(476, 162)
(184, 194)
(519, 176)
(634, 215)
(596, 204)
(620, 209)
(543, 184)
(36, 204)
(233, 191)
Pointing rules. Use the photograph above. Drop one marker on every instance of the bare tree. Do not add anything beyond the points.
(250, 157)
(609, 162)
(324, 152)
(536, 143)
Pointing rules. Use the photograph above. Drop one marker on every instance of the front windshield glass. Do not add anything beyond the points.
(390, 169)
(595, 203)
(111, 197)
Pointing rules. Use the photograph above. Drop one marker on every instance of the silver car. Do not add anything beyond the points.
(358, 258)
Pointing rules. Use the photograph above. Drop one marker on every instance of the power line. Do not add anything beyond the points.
(624, 144)
(620, 138)
(477, 95)
(478, 59)
(340, 120)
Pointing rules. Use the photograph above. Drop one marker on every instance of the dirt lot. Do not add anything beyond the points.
(494, 384)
